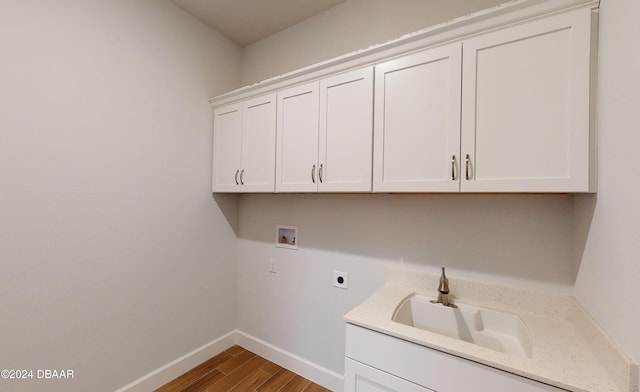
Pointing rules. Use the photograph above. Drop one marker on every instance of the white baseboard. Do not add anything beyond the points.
(296, 364)
(307, 369)
(170, 371)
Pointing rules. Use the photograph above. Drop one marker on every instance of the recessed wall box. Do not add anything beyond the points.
(287, 236)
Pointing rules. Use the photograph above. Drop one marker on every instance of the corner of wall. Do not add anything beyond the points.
(175, 368)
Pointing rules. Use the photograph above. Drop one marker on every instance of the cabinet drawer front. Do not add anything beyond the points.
(430, 368)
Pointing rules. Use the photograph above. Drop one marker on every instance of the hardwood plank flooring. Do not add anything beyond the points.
(239, 370)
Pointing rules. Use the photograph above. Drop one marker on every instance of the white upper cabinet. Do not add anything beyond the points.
(244, 146)
(417, 122)
(497, 101)
(346, 132)
(524, 123)
(258, 144)
(526, 107)
(297, 140)
(324, 135)
(227, 139)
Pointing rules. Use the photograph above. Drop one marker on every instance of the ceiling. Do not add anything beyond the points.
(248, 21)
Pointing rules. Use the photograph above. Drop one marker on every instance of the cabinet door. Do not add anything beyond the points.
(417, 122)
(297, 139)
(258, 144)
(227, 138)
(525, 103)
(359, 377)
(346, 132)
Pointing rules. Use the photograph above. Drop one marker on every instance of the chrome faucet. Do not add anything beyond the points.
(443, 291)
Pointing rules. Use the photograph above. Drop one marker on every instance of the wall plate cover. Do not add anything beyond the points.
(341, 280)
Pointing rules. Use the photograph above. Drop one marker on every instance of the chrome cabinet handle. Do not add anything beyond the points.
(453, 167)
(237, 171)
(468, 167)
(320, 172)
(242, 177)
(313, 174)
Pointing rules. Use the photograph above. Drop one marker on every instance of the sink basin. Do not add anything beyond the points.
(488, 328)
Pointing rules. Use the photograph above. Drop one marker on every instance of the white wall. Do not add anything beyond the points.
(114, 257)
(608, 282)
(517, 240)
(350, 26)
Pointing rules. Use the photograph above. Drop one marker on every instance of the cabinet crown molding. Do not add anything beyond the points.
(510, 12)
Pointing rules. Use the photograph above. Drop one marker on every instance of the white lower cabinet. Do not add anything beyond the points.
(377, 362)
(362, 378)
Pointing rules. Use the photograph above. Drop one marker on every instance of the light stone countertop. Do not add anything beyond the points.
(570, 350)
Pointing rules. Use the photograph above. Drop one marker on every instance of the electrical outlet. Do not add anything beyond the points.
(272, 266)
(341, 280)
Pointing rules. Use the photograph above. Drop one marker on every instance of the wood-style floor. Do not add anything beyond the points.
(240, 370)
